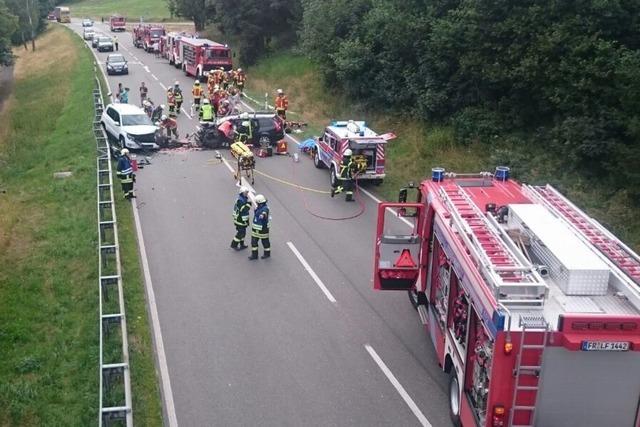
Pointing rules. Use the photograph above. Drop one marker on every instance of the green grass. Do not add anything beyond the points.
(421, 146)
(150, 10)
(48, 259)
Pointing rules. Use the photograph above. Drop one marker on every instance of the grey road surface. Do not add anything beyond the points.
(260, 343)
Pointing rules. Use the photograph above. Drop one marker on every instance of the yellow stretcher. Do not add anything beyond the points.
(245, 161)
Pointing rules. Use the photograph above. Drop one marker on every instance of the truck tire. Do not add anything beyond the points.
(333, 177)
(317, 162)
(454, 398)
(413, 297)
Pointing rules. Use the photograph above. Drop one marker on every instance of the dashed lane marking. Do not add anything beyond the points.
(312, 273)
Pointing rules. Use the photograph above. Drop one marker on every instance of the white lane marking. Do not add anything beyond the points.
(163, 86)
(403, 393)
(167, 394)
(154, 77)
(312, 273)
(185, 111)
(146, 68)
(157, 333)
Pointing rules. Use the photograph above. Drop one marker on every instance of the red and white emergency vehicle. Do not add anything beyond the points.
(532, 306)
(146, 35)
(170, 47)
(117, 23)
(199, 56)
(365, 144)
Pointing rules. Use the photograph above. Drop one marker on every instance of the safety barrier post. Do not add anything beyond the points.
(115, 380)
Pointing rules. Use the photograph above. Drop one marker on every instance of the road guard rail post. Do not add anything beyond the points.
(115, 379)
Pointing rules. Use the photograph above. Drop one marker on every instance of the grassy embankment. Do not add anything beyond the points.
(48, 257)
(150, 10)
(419, 147)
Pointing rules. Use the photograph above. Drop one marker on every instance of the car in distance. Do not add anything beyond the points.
(128, 126)
(87, 23)
(116, 64)
(105, 44)
(267, 127)
(88, 33)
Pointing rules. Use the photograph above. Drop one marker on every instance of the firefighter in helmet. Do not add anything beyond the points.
(170, 124)
(260, 228)
(282, 104)
(244, 131)
(196, 91)
(241, 212)
(177, 93)
(239, 78)
(171, 102)
(345, 177)
(206, 112)
(125, 173)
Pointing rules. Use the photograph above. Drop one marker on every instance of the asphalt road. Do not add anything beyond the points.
(262, 343)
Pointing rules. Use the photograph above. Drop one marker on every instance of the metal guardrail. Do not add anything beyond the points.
(115, 378)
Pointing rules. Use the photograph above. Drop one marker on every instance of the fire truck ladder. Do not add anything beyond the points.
(622, 260)
(530, 324)
(515, 282)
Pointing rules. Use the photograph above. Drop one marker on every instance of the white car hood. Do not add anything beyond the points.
(139, 129)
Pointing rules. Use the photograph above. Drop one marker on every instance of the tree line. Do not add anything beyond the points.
(20, 23)
(564, 75)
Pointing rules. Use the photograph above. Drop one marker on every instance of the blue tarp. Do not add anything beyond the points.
(307, 144)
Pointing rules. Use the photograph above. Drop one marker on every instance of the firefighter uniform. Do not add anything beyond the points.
(244, 132)
(241, 219)
(206, 112)
(177, 93)
(125, 173)
(171, 102)
(171, 125)
(260, 228)
(282, 104)
(345, 177)
(239, 78)
(196, 91)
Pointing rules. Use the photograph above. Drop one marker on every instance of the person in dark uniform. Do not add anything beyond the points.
(126, 175)
(241, 212)
(345, 177)
(260, 228)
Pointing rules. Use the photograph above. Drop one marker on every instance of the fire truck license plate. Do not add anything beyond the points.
(605, 345)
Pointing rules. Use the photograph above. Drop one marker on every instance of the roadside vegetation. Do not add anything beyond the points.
(48, 257)
(150, 10)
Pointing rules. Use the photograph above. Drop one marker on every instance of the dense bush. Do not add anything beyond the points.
(567, 73)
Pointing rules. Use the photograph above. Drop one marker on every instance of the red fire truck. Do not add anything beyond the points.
(532, 306)
(145, 35)
(366, 145)
(199, 56)
(117, 23)
(170, 48)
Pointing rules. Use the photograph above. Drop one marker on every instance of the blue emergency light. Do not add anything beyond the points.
(502, 173)
(437, 174)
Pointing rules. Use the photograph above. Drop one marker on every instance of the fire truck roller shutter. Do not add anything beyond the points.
(588, 388)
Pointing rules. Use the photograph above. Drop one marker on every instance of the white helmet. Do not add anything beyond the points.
(239, 70)
(260, 199)
(164, 117)
(162, 106)
(177, 83)
(244, 115)
(221, 68)
(206, 101)
(348, 152)
(216, 87)
(246, 123)
(243, 190)
(280, 91)
(124, 152)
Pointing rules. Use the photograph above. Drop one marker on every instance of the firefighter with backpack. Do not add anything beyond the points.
(348, 171)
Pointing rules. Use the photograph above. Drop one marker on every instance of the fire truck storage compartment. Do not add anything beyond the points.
(588, 388)
(572, 265)
(368, 150)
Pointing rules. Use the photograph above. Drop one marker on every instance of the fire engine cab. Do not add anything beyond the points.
(145, 35)
(532, 306)
(170, 48)
(117, 23)
(366, 145)
(199, 56)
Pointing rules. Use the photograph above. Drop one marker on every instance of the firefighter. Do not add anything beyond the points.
(206, 112)
(260, 228)
(211, 81)
(171, 102)
(345, 178)
(215, 98)
(243, 132)
(196, 91)
(282, 104)
(219, 76)
(223, 108)
(144, 91)
(225, 80)
(241, 212)
(126, 175)
(177, 92)
(147, 106)
(158, 112)
(239, 78)
(170, 124)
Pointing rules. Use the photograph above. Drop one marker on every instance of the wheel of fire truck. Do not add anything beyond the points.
(417, 298)
(333, 177)
(316, 159)
(171, 61)
(454, 399)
